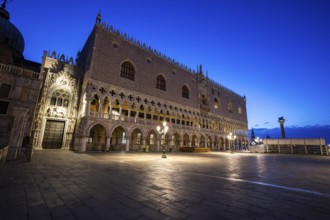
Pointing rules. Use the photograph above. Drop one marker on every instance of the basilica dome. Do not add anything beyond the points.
(11, 40)
(9, 34)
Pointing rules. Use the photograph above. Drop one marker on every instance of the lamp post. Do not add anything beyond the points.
(231, 138)
(162, 131)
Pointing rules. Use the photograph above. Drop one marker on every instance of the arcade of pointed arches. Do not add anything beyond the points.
(125, 107)
(188, 126)
(119, 138)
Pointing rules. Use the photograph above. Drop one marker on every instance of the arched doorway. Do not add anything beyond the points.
(175, 141)
(202, 141)
(136, 140)
(194, 142)
(118, 139)
(208, 143)
(96, 139)
(216, 144)
(185, 140)
(221, 144)
(151, 140)
(227, 147)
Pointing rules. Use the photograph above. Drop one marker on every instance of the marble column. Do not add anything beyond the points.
(107, 147)
(143, 143)
(127, 144)
(88, 106)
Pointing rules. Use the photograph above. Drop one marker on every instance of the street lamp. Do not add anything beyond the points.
(162, 131)
(231, 138)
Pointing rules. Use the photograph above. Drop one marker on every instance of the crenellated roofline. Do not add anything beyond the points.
(159, 54)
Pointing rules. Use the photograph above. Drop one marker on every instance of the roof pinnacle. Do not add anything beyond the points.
(98, 18)
(3, 12)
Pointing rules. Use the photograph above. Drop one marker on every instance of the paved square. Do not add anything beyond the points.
(65, 185)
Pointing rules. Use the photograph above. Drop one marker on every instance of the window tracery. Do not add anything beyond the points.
(127, 71)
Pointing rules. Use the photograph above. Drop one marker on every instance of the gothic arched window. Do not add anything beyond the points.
(161, 83)
(60, 98)
(230, 107)
(240, 110)
(152, 139)
(127, 70)
(185, 92)
(138, 138)
(216, 104)
(94, 107)
(203, 99)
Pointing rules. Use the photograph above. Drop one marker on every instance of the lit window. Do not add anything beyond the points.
(123, 141)
(152, 139)
(162, 139)
(161, 83)
(58, 97)
(230, 107)
(185, 92)
(127, 71)
(138, 138)
(239, 110)
(95, 104)
(66, 103)
(216, 104)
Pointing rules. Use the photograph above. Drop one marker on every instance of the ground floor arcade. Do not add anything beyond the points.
(99, 136)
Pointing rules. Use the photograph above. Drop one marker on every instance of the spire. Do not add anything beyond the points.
(98, 18)
(253, 136)
(3, 5)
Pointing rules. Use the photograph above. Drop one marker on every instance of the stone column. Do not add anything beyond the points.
(83, 144)
(110, 113)
(170, 145)
(143, 143)
(157, 146)
(17, 132)
(127, 144)
(88, 106)
(129, 115)
(321, 149)
(107, 147)
(181, 142)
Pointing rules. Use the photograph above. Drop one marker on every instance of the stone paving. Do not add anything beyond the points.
(60, 184)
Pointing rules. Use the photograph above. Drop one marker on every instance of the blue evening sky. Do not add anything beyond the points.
(276, 52)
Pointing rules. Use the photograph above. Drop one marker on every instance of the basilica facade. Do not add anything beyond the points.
(117, 90)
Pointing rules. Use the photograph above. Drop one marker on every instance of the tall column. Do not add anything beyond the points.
(88, 106)
(170, 145)
(281, 120)
(181, 142)
(127, 144)
(321, 148)
(100, 109)
(107, 147)
(83, 144)
(17, 132)
(157, 147)
(144, 144)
